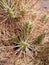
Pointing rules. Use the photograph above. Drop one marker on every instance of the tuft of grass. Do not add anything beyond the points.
(14, 38)
(22, 11)
(9, 9)
(23, 45)
(22, 42)
(39, 39)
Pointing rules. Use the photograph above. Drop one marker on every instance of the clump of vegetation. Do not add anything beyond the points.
(23, 44)
(39, 38)
(22, 11)
(22, 41)
(9, 9)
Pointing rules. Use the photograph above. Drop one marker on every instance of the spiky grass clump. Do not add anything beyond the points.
(24, 46)
(9, 9)
(22, 42)
(39, 38)
(22, 11)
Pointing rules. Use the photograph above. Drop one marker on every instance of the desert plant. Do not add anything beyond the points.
(24, 46)
(22, 11)
(39, 38)
(22, 40)
(8, 8)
